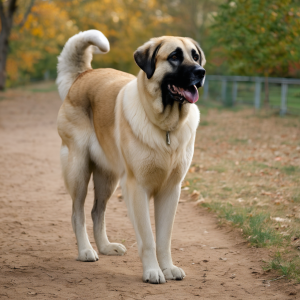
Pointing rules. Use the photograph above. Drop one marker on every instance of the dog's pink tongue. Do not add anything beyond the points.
(190, 94)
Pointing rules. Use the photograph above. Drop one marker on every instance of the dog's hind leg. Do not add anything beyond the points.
(105, 183)
(77, 173)
(165, 204)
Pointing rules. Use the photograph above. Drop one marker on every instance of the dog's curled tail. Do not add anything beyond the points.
(76, 57)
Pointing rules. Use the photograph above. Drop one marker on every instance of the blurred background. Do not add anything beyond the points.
(240, 38)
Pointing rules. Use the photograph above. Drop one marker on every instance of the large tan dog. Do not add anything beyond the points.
(139, 130)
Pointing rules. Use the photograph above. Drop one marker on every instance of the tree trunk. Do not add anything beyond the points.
(3, 57)
(266, 101)
(6, 25)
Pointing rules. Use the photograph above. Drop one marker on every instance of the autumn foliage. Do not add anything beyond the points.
(243, 37)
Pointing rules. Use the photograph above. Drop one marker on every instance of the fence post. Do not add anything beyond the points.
(224, 87)
(283, 107)
(257, 93)
(234, 92)
(205, 89)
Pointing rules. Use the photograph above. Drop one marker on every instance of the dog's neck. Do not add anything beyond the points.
(167, 118)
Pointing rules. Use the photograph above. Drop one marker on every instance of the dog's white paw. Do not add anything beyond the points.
(88, 255)
(174, 273)
(113, 249)
(154, 276)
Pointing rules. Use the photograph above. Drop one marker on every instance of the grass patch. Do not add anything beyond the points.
(238, 141)
(290, 269)
(219, 169)
(256, 225)
(227, 189)
(204, 123)
(256, 164)
(296, 196)
(250, 176)
(290, 170)
(260, 233)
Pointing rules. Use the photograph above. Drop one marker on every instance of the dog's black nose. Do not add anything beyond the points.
(199, 72)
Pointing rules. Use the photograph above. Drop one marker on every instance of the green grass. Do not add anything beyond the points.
(260, 233)
(259, 230)
(290, 269)
(204, 123)
(257, 227)
(290, 170)
(296, 196)
(238, 141)
(219, 169)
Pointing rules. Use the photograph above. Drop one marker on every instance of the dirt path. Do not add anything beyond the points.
(38, 248)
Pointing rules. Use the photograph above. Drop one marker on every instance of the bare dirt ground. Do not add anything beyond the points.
(38, 248)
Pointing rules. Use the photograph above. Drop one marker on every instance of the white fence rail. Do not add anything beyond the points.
(257, 91)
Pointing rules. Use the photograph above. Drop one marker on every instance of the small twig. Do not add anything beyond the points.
(277, 278)
(133, 244)
(266, 280)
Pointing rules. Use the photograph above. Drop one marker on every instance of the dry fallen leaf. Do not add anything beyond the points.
(202, 200)
(266, 193)
(290, 216)
(195, 195)
(192, 170)
(186, 183)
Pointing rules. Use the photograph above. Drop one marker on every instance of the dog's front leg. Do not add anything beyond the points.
(165, 209)
(137, 202)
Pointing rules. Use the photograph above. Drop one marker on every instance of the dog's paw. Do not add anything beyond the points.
(88, 255)
(174, 273)
(113, 249)
(154, 276)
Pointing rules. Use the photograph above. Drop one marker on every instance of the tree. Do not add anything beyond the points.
(34, 48)
(259, 36)
(126, 23)
(7, 12)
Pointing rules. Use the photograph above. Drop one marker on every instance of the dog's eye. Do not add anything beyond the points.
(174, 57)
(196, 57)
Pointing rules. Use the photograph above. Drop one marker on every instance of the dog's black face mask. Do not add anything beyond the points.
(182, 83)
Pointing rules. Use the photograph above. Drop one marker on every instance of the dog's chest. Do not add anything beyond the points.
(158, 169)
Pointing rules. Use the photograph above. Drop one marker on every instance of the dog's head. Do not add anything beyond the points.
(173, 65)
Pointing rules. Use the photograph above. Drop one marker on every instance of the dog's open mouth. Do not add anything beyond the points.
(181, 95)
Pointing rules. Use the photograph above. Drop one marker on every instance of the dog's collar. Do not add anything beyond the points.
(168, 138)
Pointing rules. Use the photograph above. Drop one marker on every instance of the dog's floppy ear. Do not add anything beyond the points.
(145, 57)
(200, 52)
